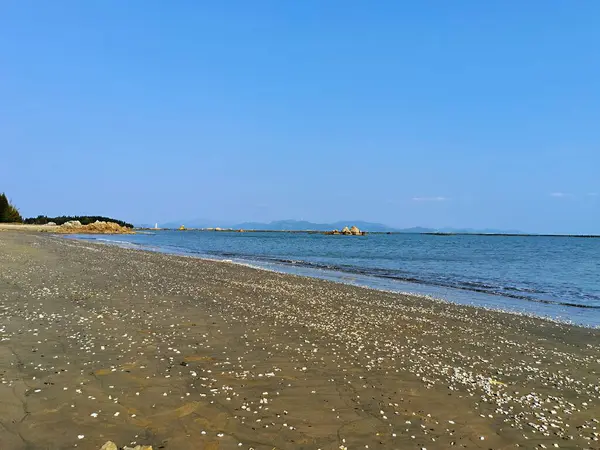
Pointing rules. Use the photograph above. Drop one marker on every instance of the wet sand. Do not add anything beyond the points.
(100, 343)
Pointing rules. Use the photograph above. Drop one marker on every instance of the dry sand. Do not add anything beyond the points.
(28, 227)
(100, 343)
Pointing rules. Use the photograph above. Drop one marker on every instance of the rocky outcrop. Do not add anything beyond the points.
(97, 227)
(110, 445)
(71, 224)
(354, 231)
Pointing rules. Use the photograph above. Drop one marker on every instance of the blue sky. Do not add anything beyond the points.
(433, 113)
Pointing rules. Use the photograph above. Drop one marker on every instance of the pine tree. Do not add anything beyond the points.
(3, 207)
(8, 213)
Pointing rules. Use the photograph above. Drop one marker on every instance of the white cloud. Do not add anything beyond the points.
(559, 195)
(429, 199)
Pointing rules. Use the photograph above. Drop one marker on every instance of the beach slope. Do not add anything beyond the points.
(102, 343)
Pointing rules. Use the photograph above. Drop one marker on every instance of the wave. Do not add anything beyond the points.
(513, 292)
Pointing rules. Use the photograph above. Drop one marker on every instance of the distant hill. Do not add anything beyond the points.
(193, 223)
(373, 227)
(416, 230)
(303, 225)
(475, 231)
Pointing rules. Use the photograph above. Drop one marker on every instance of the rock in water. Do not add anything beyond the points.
(110, 445)
(139, 447)
(346, 231)
(355, 231)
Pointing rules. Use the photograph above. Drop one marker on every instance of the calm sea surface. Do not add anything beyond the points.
(547, 276)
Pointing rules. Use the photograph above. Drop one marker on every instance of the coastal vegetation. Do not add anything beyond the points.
(8, 212)
(84, 220)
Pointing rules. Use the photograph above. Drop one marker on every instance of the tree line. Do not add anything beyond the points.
(85, 220)
(8, 212)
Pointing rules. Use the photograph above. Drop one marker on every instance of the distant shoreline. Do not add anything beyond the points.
(53, 229)
(511, 234)
(231, 230)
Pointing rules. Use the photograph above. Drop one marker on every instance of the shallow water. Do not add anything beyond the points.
(557, 277)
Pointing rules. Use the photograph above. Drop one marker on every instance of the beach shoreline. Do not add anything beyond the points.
(549, 310)
(184, 352)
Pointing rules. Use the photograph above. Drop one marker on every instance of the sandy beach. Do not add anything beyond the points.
(102, 343)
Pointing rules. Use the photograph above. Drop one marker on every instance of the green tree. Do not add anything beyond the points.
(8, 212)
(3, 207)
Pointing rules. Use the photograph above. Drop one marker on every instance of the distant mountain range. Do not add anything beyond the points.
(303, 225)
